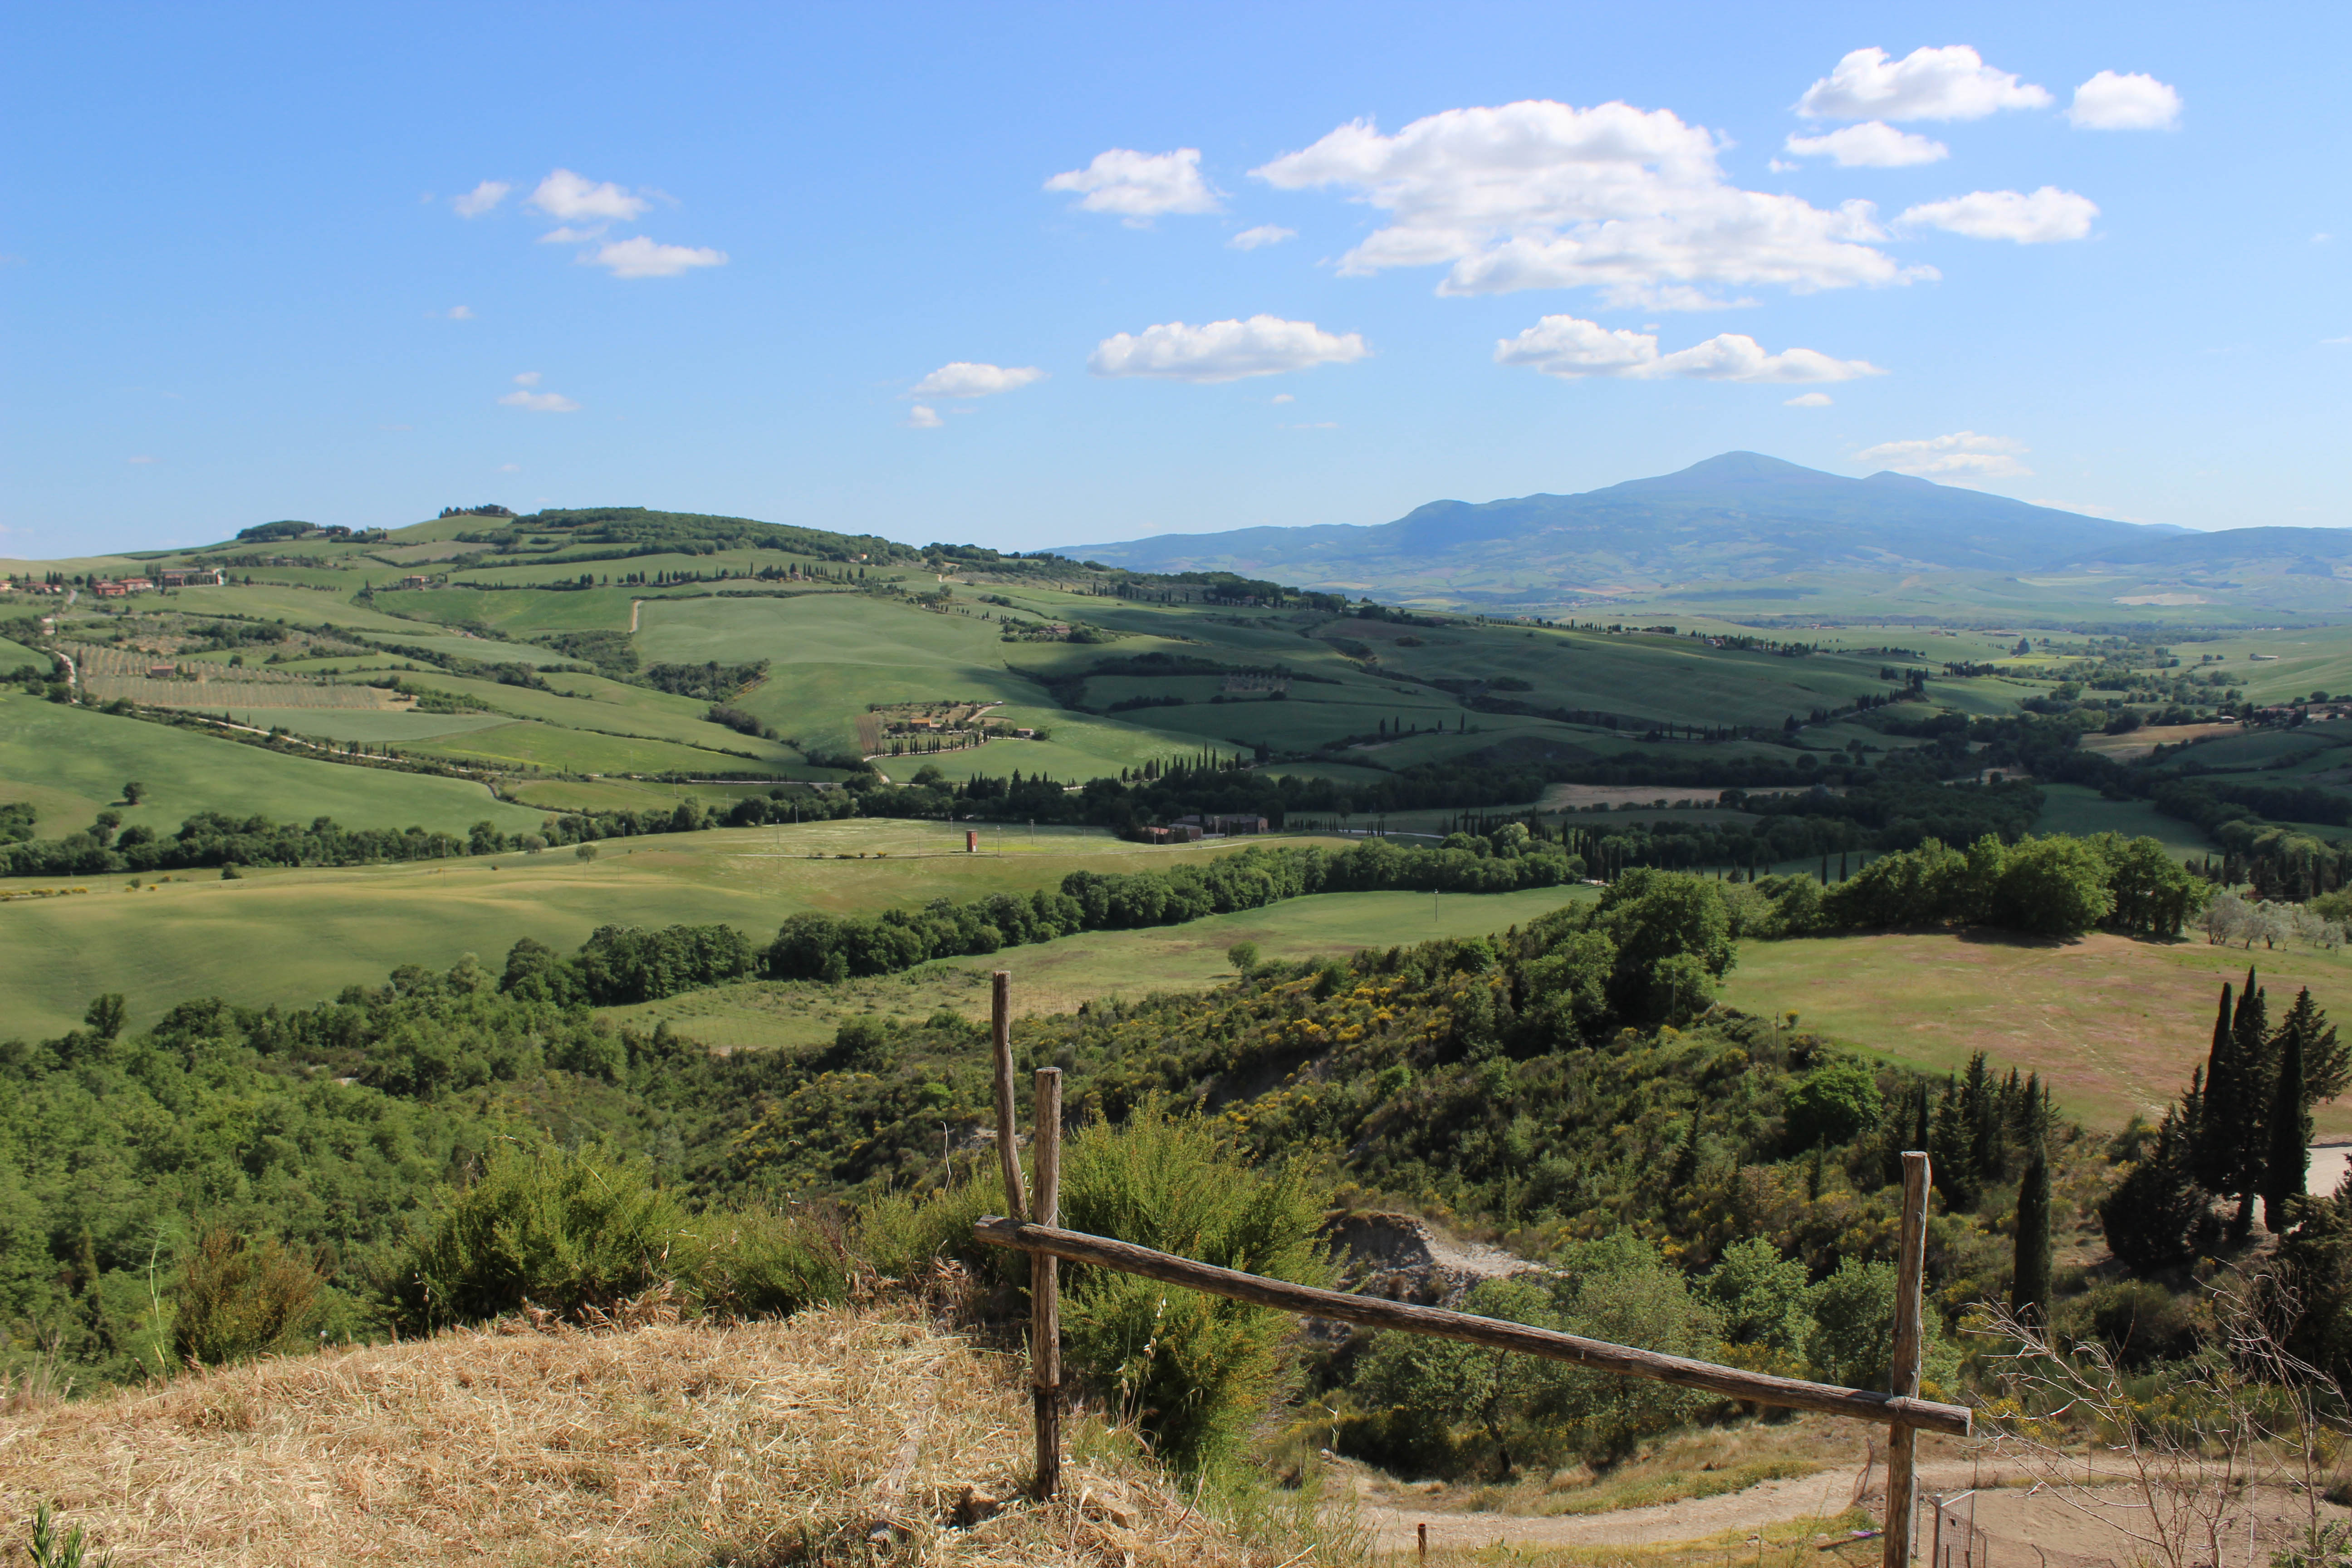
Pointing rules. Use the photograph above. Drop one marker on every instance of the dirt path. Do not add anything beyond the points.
(1824, 1495)
(2018, 1524)
(635, 605)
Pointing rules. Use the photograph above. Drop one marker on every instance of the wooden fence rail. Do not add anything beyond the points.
(1030, 1228)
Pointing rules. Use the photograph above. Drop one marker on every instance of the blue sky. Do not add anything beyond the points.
(241, 282)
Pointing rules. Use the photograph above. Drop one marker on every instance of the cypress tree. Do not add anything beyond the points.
(2028, 1288)
(2287, 1168)
(2211, 1150)
(2250, 1045)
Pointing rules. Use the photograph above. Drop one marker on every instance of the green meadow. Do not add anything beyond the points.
(71, 762)
(291, 935)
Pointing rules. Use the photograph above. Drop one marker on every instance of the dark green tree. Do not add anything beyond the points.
(2286, 1169)
(2028, 1288)
(107, 1014)
(2250, 1047)
(2214, 1155)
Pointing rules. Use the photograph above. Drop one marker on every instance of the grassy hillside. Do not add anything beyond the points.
(71, 762)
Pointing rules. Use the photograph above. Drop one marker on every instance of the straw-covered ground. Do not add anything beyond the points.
(854, 1434)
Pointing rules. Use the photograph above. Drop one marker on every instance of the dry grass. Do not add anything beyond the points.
(671, 1444)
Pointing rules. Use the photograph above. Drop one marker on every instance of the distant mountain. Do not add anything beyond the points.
(2281, 551)
(1740, 517)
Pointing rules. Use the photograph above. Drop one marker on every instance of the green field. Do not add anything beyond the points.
(291, 936)
(2113, 1024)
(71, 762)
(1055, 976)
(2078, 808)
(17, 655)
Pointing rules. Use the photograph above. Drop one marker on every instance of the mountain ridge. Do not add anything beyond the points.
(1736, 517)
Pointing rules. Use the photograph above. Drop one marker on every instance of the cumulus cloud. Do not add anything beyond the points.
(962, 378)
(1808, 400)
(1139, 187)
(1950, 83)
(1963, 454)
(643, 257)
(481, 198)
(565, 197)
(1541, 194)
(922, 418)
(1264, 234)
(2136, 102)
(524, 396)
(2047, 215)
(453, 313)
(1571, 348)
(1872, 144)
(564, 234)
(1223, 351)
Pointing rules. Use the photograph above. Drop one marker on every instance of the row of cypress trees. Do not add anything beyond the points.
(2242, 1131)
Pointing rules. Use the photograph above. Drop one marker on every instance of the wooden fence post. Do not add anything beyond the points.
(1904, 1383)
(1045, 1285)
(1008, 1128)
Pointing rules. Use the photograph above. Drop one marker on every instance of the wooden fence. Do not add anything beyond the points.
(1029, 1226)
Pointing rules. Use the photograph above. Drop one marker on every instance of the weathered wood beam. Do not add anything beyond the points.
(1730, 1383)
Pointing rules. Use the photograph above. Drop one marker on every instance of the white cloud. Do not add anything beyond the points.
(1808, 400)
(564, 196)
(1571, 348)
(964, 379)
(1872, 144)
(1286, 397)
(2047, 215)
(537, 402)
(1950, 83)
(1541, 194)
(642, 257)
(922, 418)
(1963, 454)
(1139, 187)
(509, 467)
(481, 198)
(453, 313)
(1223, 351)
(2136, 102)
(2342, 339)
(567, 235)
(141, 461)
(1262, 235)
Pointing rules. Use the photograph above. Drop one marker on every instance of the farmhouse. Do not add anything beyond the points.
(1224, 823)
(191, 576)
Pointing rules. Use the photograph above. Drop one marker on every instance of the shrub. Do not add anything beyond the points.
(1242, 956)
(1193, 1370)
(558, 1229)
(1521, 1412)
(1854, 1333)
(237, 1301)
(2140, 1321)
(1834, 1104)
(1196, 1369)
